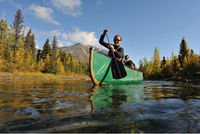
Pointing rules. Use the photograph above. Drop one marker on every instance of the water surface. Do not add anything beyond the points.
(78, 106)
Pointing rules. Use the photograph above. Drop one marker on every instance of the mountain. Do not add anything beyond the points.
(79, 51)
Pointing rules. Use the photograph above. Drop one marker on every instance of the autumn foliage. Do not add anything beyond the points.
(18, 52)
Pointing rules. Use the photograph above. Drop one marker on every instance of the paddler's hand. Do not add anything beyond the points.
(105, 31)
(112, 48)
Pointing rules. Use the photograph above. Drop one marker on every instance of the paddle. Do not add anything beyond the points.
(117, 67)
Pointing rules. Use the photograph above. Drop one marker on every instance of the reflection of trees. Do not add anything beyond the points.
(187, 91)
(180, 90)
(48, 97)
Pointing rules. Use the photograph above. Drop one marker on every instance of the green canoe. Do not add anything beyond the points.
(100, 70)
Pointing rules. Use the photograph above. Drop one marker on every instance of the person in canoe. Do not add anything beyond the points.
(118, 51)
(129, 62)
(117, 54)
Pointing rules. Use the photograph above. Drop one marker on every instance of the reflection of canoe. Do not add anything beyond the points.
(108, 97)
(101, 73)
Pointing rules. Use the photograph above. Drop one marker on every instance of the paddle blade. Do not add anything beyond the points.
(118, 70)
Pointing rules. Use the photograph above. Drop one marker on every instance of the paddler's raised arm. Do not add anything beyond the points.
(101, 40)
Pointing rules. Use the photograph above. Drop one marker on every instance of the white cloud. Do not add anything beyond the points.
(66, 39)
(43, 13)
(36, 45)
(70, 7)
(83, 37)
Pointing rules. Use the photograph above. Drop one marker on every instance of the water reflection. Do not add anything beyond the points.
(24, 99)
(110, 97)
(159, 90)
(77, 106)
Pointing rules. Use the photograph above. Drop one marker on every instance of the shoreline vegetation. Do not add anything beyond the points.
(182, 67)
(41, 76)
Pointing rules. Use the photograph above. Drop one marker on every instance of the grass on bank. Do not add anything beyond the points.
(39, 75)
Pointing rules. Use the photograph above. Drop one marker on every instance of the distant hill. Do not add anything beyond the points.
(78, 51)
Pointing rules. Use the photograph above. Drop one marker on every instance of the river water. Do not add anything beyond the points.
(78, 106)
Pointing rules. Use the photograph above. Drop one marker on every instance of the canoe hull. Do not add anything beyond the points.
(100, 71)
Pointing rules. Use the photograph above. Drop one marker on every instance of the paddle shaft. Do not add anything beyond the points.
(114, 58)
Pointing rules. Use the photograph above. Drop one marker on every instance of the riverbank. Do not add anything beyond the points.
(40, 76)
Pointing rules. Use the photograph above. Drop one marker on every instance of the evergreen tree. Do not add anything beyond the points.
(163, 62)
(184, 51)
(17, 25)
(46, 49)
(32, 44)
(54, 47)
(27, 41)
(63, 59)
(39, 55)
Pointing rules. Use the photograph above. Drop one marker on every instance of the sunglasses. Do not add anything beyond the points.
(117, 40)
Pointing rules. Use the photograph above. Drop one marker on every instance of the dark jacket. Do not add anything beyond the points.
(119, 53)
(130, 64)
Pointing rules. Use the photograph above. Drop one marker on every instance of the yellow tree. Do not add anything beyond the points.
(1, 63)
(176, 66)
(47, 64)
(156, 63)
(60, 66)
(70, 64)
(167, 69)
(20, 56)
(190, 65)
(185, 62)
(40, 65)
(30, 61)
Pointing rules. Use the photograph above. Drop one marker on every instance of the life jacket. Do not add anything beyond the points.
(120, 59)
(132, 67)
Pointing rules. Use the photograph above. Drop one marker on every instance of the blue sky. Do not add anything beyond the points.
(143, 24)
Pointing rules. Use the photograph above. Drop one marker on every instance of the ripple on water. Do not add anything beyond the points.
(152, 106)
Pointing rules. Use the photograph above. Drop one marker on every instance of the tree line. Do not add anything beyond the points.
(186, 64)
(18, 52)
